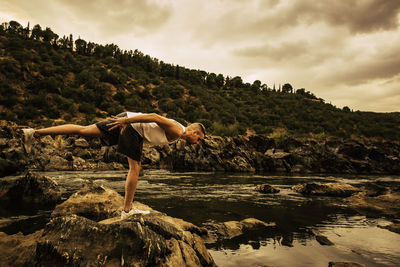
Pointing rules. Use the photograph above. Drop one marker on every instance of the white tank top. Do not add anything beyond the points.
(150, 131)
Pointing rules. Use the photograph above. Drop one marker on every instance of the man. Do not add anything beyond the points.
(128, 130)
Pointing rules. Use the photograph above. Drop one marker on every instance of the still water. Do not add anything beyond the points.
(200, 197)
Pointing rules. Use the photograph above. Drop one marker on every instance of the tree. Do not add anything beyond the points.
(14, 27)
(37, 32)
(287, 88)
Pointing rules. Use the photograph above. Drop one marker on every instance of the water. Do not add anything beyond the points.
(200, 197)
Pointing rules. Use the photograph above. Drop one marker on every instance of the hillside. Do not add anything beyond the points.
(44, 78)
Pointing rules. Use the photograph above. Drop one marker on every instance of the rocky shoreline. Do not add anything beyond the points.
(231, 154)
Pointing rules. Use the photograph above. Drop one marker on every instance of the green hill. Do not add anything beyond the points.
(44, 78)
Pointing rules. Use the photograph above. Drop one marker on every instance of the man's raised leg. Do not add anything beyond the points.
(86, 131)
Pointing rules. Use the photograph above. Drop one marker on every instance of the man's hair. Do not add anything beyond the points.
(199, 127)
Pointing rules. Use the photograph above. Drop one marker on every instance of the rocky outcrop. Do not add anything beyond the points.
(231, 229)
(31, 190)
(140, 240)
(326, 189)
(263, 154)
(76, 241)
(234, 154)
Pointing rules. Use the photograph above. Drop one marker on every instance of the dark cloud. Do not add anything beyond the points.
(272, 18)
(360, 16)
(383, 64)
(106, 17)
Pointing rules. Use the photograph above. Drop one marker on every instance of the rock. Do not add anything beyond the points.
(327, 189)
(394, 227)
(9, 167)
(31, 190)
(72, 240)
(382, 205)
(140, 240)
(321, 239)
(81, 142)
(266, 188)
(92, 201)
(231, 229)
(345, 264)
(18, 249)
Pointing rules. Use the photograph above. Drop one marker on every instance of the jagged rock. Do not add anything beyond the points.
(81, 142)
(18, 249)
(137, 241)
(31, 190)
(140, 240)
(266, 188)
(345, 264)
(326, 189)
(231, 229)
(238, 154)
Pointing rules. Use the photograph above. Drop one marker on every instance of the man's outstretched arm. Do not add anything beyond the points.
(172, 129)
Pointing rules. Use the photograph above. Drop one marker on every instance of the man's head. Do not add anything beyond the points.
(194, 133)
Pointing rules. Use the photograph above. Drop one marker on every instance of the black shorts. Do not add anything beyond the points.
(130, 143)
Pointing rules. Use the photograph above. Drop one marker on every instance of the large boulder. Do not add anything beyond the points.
(92, 201)
(31, 190)
(140, 240)
(154, 239)
(325, 189)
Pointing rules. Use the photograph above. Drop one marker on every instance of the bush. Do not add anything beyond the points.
(87, 108)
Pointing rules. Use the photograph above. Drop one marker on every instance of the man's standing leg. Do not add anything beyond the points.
(131, 183)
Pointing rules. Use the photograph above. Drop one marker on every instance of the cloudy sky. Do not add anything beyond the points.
(346, 52)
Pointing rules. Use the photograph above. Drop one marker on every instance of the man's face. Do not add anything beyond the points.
(195, 137)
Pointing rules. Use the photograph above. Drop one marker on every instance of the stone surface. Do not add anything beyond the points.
(140, 240)
(394, 227)
(326, 189)
(321, 239)
(268, 189)
(92, 201)
(376, 206)
(231, 229)
(29, 191)
(76, 241)
(345, 264)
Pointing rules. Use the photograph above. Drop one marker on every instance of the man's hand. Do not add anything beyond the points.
(118, 122)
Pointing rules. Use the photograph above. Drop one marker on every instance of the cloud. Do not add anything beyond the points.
(108, 18)
(270, 19)
(343, 51)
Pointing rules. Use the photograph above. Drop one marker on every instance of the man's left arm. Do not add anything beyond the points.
(172, 129)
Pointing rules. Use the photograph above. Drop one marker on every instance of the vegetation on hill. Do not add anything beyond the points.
(44, 77)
